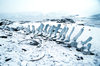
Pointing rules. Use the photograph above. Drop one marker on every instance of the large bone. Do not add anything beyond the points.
(40, 28)
(46, 27)
(57, 28)
(88, 47)
(61, 33)
(33, 29)
(86, 41)
(51, 30)
(64, 34)
(46, 34)
(68, 38)
(88, 52)
(78, 34)
(74, 43)
(28, 29)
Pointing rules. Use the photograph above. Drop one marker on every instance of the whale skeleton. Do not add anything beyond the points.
(54, 34)
(51, 33)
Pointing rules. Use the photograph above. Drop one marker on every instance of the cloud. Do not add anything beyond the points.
(47, 6)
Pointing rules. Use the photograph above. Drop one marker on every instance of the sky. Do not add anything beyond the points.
(82, 7)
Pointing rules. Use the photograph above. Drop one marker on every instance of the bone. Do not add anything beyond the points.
(88, 47)
(51, 31)
(33, 29)
(68, 38)
(78, 34)
(87, 50)
(61, 33)
(86, 41)
(57, 28)
(46, 27)
(40, 28)
(64, 34)
(28, 28)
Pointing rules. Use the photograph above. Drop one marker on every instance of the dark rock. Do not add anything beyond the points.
(79, 58)
(1, 23)
(23, 22)
(70, 20)
(34, 42)
(9, 50)
(15, 29)
(88, 53)
(89, 29)
(59, 42)
(54, 39)
(0, 45)
(3, 36)
(24, 49)
(81, 24)
(53, 19)
(64, 20)
(40, 35)
(10, 34)
(80, 49)
(8, 59)
(69, 46)
(7, 22)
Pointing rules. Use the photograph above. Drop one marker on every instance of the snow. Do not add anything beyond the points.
(47, 53)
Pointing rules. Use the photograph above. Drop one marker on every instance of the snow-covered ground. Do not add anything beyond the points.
(16, 50)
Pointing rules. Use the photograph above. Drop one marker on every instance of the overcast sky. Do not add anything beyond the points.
(46, 6)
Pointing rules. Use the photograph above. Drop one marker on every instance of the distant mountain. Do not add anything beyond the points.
(22, 16)
(33, 16)
(95, 17)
